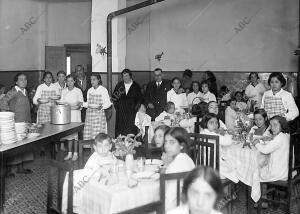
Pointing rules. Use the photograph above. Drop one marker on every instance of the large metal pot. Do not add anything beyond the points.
(60, 114)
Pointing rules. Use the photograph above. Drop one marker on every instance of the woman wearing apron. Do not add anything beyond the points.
(277, 101)
(61, 81)
(72, 96)
(17, 101)
(97, 101)
(42, 98)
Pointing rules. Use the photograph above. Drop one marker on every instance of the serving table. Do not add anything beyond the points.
(49, 134)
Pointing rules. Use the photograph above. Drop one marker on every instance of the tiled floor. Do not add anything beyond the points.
(26, 194)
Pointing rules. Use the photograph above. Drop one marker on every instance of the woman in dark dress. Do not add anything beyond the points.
(16, 100)
(212, 82)
(126, 97)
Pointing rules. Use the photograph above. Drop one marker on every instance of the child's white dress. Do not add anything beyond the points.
(141, 121)
(163, 115)
(179, 100)
(72, 97)
(181, 163)
(278, 148)
(230, 118)
(208, 97)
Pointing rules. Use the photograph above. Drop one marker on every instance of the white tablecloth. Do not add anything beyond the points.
(94, 197)
(247, 163)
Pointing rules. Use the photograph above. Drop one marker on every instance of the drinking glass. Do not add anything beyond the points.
(141, 163)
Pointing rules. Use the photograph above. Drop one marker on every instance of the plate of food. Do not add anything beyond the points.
(59, 102)
(154, 162)
(146, 175)
(33, 135)
(43, 100)
(93, 106)
(55, 97)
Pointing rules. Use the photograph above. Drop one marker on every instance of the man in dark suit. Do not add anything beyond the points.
(83, 82)
(156, 94)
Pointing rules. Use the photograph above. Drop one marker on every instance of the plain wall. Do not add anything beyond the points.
(231, 35)
(55, 23)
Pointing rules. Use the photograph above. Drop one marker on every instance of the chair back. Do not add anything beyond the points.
(205, 150)
(197, 127)
(295, 138)
(84, 144)
(59, 170)
(178, 177)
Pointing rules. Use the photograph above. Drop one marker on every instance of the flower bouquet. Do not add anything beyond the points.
(179, 117)
(244, 125)
(125, 145)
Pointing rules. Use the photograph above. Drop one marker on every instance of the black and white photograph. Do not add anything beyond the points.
(149, 107)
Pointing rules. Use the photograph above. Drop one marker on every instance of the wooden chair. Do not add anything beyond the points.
(197, 127)
(288, 185)
(155, 206)
(58, 169)
(178, 177)
(206, 152)
(82, 146)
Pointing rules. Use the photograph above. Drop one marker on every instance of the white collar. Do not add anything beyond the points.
(128, 83)
(279, 92)
(19, 89)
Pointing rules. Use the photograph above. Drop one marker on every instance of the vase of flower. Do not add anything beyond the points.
(129, 162)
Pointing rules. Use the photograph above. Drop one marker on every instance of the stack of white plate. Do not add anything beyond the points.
(21, 130)
(7, 128)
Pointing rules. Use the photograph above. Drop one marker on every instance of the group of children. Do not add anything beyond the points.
(65, 88)
(268, 136)
(181, 99)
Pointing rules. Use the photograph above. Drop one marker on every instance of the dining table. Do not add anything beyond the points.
(49, 134)
(246, 163)
(93, 195)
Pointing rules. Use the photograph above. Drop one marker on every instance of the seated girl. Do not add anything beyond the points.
(157, 141)
(175, 160)
(142, 119)
(102, 155)
(278, 149)
(240, 104)
(230, 115)
(261, 127)
(214, 108)
(168, 114)
(202, 189)
(97, 166)
(159, 134)
(210, 126)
